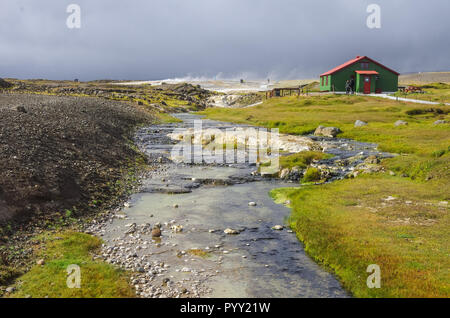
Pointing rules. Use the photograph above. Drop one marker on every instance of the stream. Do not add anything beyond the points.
(193, 204)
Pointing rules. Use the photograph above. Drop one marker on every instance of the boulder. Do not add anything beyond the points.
(10, 290)
(400, 123)
(440, 122)
(327, 131)
(284, 173)
(372, 160)
(360, 123)
(277, 227)
(296, 173)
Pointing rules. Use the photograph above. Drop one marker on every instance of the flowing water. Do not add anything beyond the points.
(206, 199)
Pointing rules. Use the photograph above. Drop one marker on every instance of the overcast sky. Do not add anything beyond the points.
(159, 39)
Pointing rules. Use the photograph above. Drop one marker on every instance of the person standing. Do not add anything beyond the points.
(352, 85)
(347, 87)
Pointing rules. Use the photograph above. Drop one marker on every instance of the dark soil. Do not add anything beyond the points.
(60, 154)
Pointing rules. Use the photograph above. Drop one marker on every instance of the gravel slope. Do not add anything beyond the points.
(59, 152)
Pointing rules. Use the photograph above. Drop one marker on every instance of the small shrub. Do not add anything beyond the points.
(311, 175)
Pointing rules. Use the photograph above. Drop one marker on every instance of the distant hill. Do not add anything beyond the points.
(425, 78)
(292, 83)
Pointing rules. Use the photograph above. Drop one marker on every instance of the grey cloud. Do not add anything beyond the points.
(157, 39)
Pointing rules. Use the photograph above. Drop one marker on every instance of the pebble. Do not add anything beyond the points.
(252, 203)
(177, 228)
(9, 290)
(278, 227)
(231, 231)
(156, 232)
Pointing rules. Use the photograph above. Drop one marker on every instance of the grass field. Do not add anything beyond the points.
(399, 219)
(59, 250)
(433, 92)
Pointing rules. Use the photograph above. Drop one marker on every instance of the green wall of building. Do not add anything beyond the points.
(387, 81)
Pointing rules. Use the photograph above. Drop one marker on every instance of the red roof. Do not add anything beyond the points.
(367, 72)
(358, 58)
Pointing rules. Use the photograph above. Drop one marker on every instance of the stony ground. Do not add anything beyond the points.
(60, 158)
(55, 151)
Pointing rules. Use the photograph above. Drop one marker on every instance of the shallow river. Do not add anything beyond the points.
(205, 200)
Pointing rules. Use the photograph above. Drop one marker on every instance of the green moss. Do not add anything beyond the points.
(345, 226)
(199, 252)
(302, 159)
(8, 274)
(166, 118)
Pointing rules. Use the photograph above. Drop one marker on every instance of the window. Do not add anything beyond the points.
(365, 65)
(322, 80)
(327, 80)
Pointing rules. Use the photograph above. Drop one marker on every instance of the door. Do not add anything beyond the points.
(366, 84)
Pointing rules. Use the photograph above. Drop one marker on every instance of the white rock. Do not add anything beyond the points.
(231, 231)
(177, 228)
(360, 123)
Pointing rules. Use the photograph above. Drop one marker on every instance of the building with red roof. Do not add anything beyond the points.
(366, 75)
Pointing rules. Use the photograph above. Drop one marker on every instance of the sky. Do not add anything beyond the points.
(223, 39)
